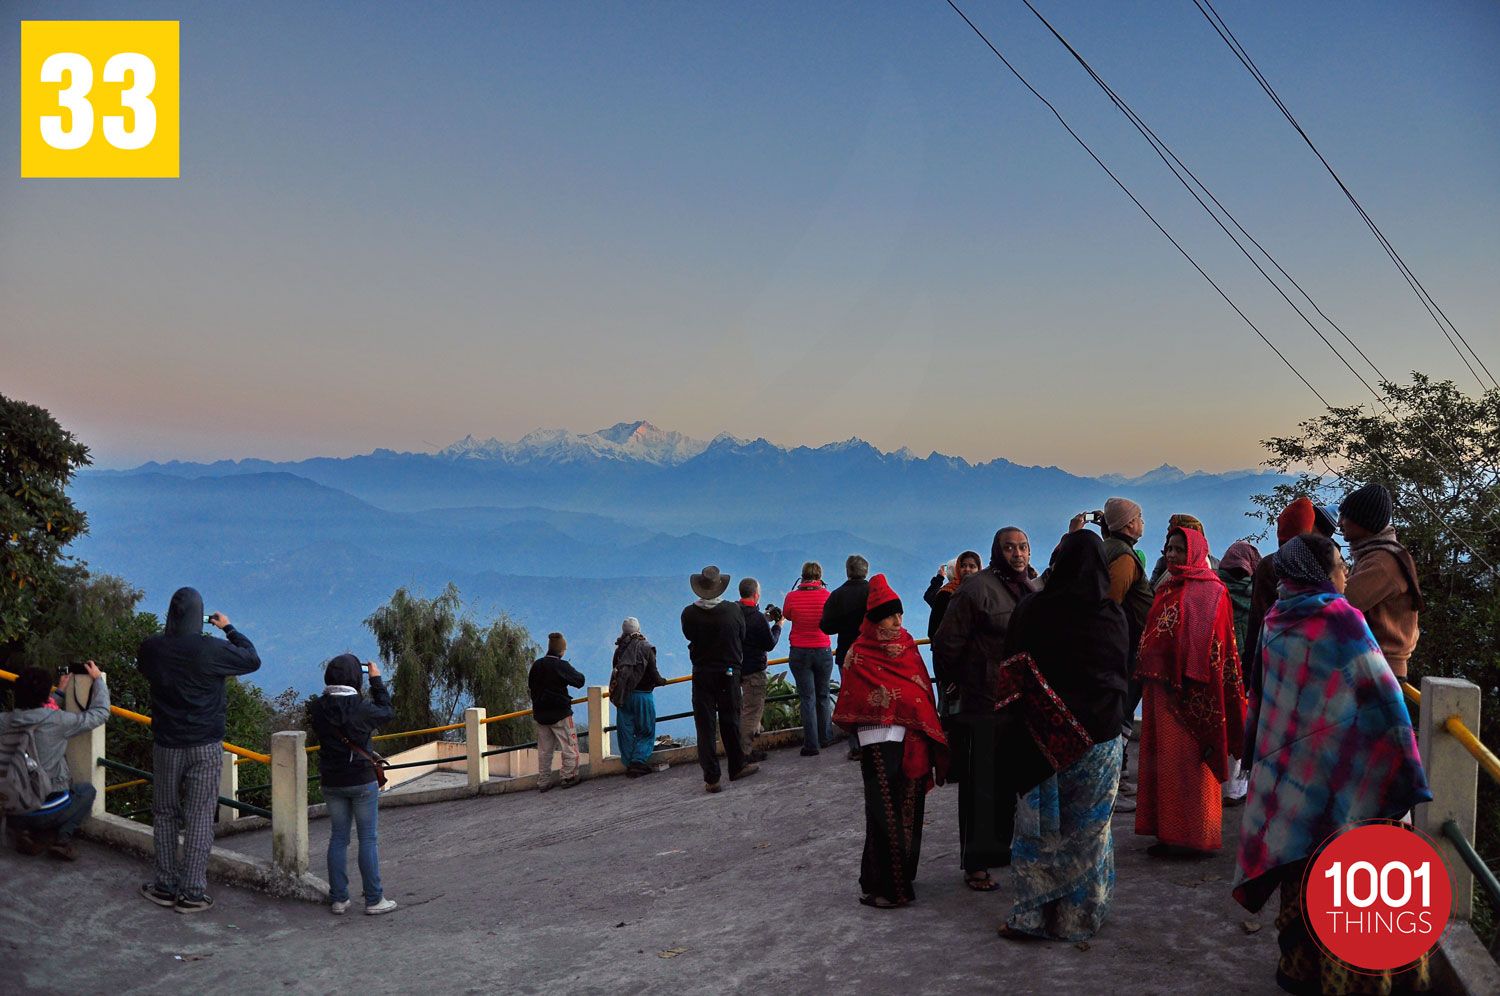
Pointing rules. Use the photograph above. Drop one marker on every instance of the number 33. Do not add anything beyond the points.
(74, 99)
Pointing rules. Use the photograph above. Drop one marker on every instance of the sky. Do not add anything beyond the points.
(398, 223)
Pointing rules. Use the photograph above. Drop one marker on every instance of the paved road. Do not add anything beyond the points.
(617, 886)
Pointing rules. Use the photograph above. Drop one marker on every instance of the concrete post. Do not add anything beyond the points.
(1453, 775)
(229, 786)
(84, 750)
(598, 720)
(476, 741)
(289, 801)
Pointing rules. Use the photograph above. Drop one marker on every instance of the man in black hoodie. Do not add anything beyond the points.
(186, 670)
(552, 711)
(344, 721)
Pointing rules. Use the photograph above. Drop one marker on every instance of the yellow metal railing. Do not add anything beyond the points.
(1455, 727)
(245, 754)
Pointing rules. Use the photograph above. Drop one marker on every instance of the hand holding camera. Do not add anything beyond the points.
(372, 669)
(773, 613)
(218, 619)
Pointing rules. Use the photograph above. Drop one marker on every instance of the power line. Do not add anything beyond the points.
(1188, 256)
(1444, 323)
(1177, 167)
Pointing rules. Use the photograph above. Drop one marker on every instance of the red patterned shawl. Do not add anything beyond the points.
(1189, 646)
(886, 684)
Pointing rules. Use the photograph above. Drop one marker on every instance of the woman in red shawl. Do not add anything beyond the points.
(885, 702)
(1193, 710)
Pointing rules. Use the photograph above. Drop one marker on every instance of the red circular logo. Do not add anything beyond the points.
(1378, 896)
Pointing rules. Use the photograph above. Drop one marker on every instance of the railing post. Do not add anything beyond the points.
(1453, 775)
(84, 750)
(476, 742)
(289, 801)
(229, 786)
(598, 720)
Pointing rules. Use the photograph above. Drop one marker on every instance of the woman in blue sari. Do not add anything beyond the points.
(1062, 854)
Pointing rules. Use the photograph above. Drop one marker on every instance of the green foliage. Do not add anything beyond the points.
(445, 661)
(781, 715)
(1438, 452)
(37, 519)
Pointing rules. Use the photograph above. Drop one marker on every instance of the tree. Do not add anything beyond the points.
(38, 458)
(1437, 451)
(445, 661)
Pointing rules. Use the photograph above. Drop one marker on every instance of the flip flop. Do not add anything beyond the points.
(985, 884)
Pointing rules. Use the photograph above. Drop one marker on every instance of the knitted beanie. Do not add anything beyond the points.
(1296, 519)
(1369, 507)
(557, 645)
(630, 625)
(1118, 513)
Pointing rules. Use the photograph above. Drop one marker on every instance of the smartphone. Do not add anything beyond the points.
(364, 669)
(208, 620)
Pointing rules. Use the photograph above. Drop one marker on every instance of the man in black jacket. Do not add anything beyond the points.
(344, 722)
(761, 633)
(843, 614)
(186, 670)
(552, 710)
(966, 653)
(715, 631)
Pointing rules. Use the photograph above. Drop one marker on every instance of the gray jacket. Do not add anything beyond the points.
(54, 727)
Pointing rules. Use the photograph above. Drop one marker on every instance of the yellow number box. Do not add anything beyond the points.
(99, 98)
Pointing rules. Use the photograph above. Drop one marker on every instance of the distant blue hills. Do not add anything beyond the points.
(574, 532)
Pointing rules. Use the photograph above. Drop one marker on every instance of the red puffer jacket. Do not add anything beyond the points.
(803, 607)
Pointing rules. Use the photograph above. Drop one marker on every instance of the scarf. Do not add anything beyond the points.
(1296, 565)
(708, 603)
(1188, 645)
(886, 684)
(632, 656)
(1241, 556)
(752, 602)
(1333, 739)
(1386, 541)
(1053, 731)
(339, 690)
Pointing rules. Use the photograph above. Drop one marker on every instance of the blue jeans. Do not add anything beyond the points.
(812, 667)
(359, 804)
(64, 819)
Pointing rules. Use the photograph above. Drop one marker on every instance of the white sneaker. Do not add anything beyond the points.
(384, 906)
(339, 909)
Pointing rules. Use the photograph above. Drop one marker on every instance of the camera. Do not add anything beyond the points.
(208, 620)
(1096, 517)
(773, 613)
(73, 667)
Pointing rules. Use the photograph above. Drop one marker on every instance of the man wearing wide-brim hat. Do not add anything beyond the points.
(715, 631)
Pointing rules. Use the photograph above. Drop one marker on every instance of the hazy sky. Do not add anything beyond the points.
(397, 224)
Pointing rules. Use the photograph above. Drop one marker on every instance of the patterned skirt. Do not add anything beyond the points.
(894, 807)
(1304, 968)
(1180, 802)
(1063, 854)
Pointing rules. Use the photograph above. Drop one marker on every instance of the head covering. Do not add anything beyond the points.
(709, 584)
(885, 683)
(1331, 708)
(1184, 521)
(1077, 636)
(1369, 507)
(1296, 519)
(557, 644)
(630, 625)
(1119, 512)
(344, 670)
(882, 601)
(1189, 646)
(185, 614)
(1242, 556)
(1297, 564)
(1325, 520)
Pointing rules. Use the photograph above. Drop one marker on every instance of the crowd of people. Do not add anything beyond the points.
(1030, 707)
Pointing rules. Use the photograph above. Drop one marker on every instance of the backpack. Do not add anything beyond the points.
(24, 786)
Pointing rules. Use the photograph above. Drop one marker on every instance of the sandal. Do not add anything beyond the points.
(981, 881)
(880, 902)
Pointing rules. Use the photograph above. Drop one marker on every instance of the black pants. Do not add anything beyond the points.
(893, 824)
(1133, 695)
(986, 806)
(716, 709)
